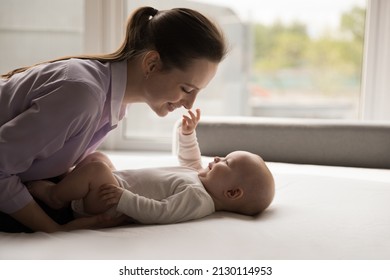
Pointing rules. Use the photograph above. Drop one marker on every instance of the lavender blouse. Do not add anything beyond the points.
(51, 117)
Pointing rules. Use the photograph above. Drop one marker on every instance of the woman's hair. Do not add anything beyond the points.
(179, 35)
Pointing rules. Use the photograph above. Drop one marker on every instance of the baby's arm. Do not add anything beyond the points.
(188, 152)
(190, 203)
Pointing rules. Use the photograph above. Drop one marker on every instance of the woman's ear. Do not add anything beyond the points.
(234, 193)
(150, 62)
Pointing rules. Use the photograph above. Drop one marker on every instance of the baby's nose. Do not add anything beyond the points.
(217, 159)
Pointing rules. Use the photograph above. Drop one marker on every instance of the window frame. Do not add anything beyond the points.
(375, 94)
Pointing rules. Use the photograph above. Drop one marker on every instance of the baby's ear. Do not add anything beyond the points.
(234, 193)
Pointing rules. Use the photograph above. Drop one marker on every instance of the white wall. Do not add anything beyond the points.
(39, 30)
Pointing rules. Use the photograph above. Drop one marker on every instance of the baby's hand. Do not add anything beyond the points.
(189, 123)
(110, 194)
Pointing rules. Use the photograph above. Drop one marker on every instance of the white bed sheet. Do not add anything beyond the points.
(319, 212)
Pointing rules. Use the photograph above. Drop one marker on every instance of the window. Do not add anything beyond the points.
(307, 64)
(288, 58)
(304, 60)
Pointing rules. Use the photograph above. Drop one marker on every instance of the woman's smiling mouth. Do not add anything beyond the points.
(172, 107)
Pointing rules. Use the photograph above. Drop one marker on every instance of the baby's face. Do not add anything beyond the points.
(224, 173)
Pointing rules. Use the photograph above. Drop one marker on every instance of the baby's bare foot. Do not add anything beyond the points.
(42, 190)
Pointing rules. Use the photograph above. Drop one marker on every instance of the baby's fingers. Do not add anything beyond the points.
(187, 120)
(110, 200)
(193, 117)
(110, 193)
(197, 114)
(106, 188)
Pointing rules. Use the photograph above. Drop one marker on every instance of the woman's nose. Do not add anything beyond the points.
(189, 100)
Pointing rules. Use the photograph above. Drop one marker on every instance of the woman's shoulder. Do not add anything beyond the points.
(88, 69)
(88, 72)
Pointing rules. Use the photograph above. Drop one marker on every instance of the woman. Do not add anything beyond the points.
(52, 115)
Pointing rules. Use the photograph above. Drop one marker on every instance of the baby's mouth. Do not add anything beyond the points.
(204, 171)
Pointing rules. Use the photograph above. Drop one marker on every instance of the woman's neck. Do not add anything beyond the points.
(134, 85)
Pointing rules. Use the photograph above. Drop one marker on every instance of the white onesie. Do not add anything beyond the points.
(167, 194)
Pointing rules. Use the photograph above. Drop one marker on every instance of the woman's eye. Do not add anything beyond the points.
(188, 91)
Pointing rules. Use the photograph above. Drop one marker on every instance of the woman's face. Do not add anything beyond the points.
(169, 90)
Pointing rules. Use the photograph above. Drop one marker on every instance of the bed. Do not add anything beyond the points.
(332, 200)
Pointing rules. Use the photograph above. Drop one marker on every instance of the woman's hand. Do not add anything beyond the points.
(94, 222)
(189, 123)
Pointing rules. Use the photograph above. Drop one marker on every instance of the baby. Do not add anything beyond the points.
(239, 182)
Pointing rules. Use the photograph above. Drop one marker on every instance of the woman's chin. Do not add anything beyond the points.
(161, 112)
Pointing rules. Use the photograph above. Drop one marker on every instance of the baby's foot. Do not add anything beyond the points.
(42, 190)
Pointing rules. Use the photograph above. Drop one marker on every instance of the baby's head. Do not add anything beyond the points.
(240, 182)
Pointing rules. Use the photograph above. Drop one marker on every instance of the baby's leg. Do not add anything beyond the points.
(81, 183)
(96, 156)
(88, 179)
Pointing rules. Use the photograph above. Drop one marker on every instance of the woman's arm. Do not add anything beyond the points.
(47, 120)
(39, 133)
(43, 141)
(35, 218)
